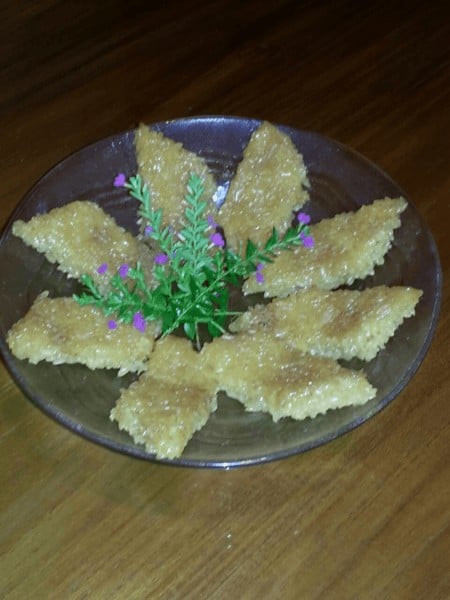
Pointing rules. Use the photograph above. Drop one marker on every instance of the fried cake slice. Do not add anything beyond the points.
(270, 183)
(81, 236)
(266, 375)
(346, 247)
(165, 166)
(170, 401)
(338, 324)
(59, 330)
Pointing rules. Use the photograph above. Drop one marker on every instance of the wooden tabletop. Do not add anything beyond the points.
(364, 516)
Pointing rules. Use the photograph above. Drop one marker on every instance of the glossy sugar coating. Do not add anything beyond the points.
(170, 401)
(339, 324)
(59, 330)
(346, 247)
(266, 375)
(165, 166)
(270, 183)
(80, 237)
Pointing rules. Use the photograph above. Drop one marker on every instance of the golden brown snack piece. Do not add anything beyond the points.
(169, 402)
(338, 324)
(270, 183)
(346, 247)
(163, 415)
(266, 375)
(59, 330)
(165, 166)
(80, 237)
(175, 356)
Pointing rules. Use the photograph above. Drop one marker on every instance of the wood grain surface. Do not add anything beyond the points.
(365, 516)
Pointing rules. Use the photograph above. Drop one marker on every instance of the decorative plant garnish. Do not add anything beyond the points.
(192, 271)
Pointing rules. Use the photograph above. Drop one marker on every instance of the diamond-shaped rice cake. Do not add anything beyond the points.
(163, 415)
(165, 166)
(59, 330)
(80, 237)
(170, 401)
(338, 324)
(270, 183)
(265, 375)
(346, 247)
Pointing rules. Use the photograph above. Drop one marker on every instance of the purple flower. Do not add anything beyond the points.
(124, 270)
(139, 321)
(102, 269)
(161, 259)
(112, 324)
(217, 239)
(303, 218)
(211, 221)
(120, 180)
(308, 240)
(148, 230)
(258, 275)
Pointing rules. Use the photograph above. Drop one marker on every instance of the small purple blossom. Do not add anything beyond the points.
(102, 268)
(124, 270)
(161, 259)
(211, 221)
(258, 275)
(112, 324)
(139, 321)
(148, 230)
(120, 180)
(303, 218)
(217, 239)
(308, 240)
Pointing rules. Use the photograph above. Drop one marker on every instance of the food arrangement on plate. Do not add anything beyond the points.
(158, 304)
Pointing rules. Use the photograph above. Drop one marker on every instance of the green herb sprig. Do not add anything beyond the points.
(192, 271)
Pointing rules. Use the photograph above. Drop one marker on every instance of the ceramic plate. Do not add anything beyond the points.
(341, 180)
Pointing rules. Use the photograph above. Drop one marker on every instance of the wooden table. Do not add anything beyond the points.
(365, 516)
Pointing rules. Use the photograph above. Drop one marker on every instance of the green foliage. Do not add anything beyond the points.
(192, 273)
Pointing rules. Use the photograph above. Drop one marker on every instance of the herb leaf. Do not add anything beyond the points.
(192, 270)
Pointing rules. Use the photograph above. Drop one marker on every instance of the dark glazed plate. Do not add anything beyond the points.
(341, 180)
